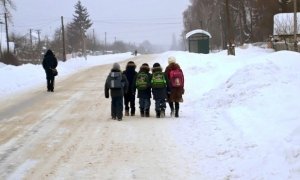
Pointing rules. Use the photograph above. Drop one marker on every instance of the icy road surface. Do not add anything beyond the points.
(68, 134)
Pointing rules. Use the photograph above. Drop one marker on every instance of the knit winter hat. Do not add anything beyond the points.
(156, 65)
(171, 60)
(116, 66)
(145, 64)
(130, 63)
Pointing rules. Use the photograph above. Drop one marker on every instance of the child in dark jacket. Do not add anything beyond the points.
(117, 83)
(129, 97)
(142, 82)
(160, 86)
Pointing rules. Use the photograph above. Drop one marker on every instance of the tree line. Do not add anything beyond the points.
(80, 40)
(251, 20)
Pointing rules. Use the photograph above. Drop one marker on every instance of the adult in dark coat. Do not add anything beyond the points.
(49, 63)
(116, 93)
(160, 94)
(144, 95)
(175, 93)
(129, 97)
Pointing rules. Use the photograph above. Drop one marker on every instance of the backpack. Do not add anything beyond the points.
(141, 82)
(176, 78)
(115, 80)
(158, 80)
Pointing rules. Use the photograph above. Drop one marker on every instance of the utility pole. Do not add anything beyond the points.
(38, 51)
(84, 46)
(63, 38)
(6, 28)
(1, 40)
(30, 35)
(295, 26)
(31, 43)
(230, 39)
(94, 40)
(38, 31)
(105, 43)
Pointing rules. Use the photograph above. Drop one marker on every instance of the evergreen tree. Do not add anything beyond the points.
(76, 30)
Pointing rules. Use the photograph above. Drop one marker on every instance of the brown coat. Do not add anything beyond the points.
(175, 94)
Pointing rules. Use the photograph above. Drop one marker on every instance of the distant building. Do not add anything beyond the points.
(198, 41)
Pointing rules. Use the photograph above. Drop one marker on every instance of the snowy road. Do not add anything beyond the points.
(239, 120)
(68, 135)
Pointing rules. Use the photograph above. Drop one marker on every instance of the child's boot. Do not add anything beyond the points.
(176, 113)
(172, 109)
(157, 114)
(176, 109)
(162, 113)
(147, 113)
(126, 112)
(132, 113)
(142, 112)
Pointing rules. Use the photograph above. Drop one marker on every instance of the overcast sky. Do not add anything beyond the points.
(127, 20)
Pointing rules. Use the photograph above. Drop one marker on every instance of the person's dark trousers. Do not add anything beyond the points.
(117, 107)
(129, 101)
(160, 105)
(145, 104)
(171, 104)
(50, 83)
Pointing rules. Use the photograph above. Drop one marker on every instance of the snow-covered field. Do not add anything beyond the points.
(239, 118)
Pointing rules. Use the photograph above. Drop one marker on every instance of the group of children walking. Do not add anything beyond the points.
(165, 87)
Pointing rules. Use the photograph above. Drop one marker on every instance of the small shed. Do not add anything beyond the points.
(198, 41)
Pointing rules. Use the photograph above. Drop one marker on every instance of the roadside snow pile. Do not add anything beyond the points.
(241, 114)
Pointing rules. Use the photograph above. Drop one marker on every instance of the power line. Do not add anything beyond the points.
(37, 25)
(137, 23)
(135, 19)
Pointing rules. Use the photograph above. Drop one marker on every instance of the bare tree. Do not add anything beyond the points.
(252, 20)
(7, 6)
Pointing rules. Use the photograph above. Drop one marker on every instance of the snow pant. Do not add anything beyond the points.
(160, 104)
(117, 107)
(50, 83)
(145, 104)
(129, 102)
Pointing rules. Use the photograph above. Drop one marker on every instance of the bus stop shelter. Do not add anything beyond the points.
(198, 41)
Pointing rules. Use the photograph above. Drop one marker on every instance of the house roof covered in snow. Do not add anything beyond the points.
(196, 31)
